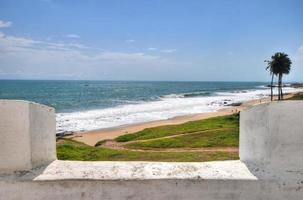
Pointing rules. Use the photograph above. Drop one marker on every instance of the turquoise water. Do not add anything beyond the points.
(69, 96)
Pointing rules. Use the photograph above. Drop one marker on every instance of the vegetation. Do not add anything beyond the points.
(298, 96)
(231, 121)
(100, 143)
(214, 132)
(226, 137)
(71, 150)
(278, 65)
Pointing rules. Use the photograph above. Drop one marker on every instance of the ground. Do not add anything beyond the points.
(71, 150)
(203, 140)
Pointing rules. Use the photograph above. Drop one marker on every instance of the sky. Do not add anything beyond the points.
(173, 40)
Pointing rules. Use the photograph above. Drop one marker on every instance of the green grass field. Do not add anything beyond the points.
(228, 137)
(231, 121)
(71, 150)
(213, 132)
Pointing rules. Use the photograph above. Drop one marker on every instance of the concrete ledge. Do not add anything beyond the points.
(218, 180)
(77, 170)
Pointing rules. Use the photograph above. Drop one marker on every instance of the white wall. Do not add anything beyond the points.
(271, 136)
(271, 148)
(185, 189)
(27, 135)
(43, 134)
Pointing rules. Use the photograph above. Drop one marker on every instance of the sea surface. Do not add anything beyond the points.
(88, 105)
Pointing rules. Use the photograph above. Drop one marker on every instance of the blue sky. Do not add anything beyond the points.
(215, 40)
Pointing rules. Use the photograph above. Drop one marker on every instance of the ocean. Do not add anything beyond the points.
(89, 105)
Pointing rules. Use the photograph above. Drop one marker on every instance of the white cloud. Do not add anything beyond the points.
(12, 44)
(152, 49)
(75, 36)
(120, 56)
(162, 50)
(30, 58)
(4, 24)
(129, 40)
(168, 50)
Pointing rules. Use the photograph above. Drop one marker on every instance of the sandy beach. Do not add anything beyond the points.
(92, 137)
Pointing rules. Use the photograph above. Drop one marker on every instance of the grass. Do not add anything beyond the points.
(100, 143)
(298, 96)
(228, 137)
(231, 121)
(213, 132)
(71, 150)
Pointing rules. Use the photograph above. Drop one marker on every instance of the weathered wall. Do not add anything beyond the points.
(14, 132)
(27, 132)
(150, 190)
(226, 180)
(43, 134)
(271, 136)
(271, 148)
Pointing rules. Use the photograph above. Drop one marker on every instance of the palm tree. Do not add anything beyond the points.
(269, 67)
(278, 65)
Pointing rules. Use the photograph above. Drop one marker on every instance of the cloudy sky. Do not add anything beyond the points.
(214, 40)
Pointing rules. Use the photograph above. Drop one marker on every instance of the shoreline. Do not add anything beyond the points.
(94, 136)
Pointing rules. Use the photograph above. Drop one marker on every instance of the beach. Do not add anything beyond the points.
(92, 137)
(104, 105)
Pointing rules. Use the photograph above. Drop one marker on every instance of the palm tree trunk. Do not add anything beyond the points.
(281, 87)
(271, 86)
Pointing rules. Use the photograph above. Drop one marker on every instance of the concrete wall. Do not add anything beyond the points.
(228, 180)
(27, 132)
(271, 136)
(271, 148)
(225, 180)
(150, 190)
(43, 134)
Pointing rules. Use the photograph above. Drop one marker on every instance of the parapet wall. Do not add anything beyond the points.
(27, 132)
(271, 165)
(271, 136)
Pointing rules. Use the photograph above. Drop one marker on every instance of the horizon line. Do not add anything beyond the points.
(110, 80)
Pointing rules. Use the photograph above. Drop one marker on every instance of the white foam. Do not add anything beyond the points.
(165, 108)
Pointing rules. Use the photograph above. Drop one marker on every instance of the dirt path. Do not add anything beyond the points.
(111, 144)
(116, 146)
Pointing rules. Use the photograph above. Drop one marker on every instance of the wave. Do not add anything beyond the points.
(166, 107)
(186, 95)
(263, 86)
